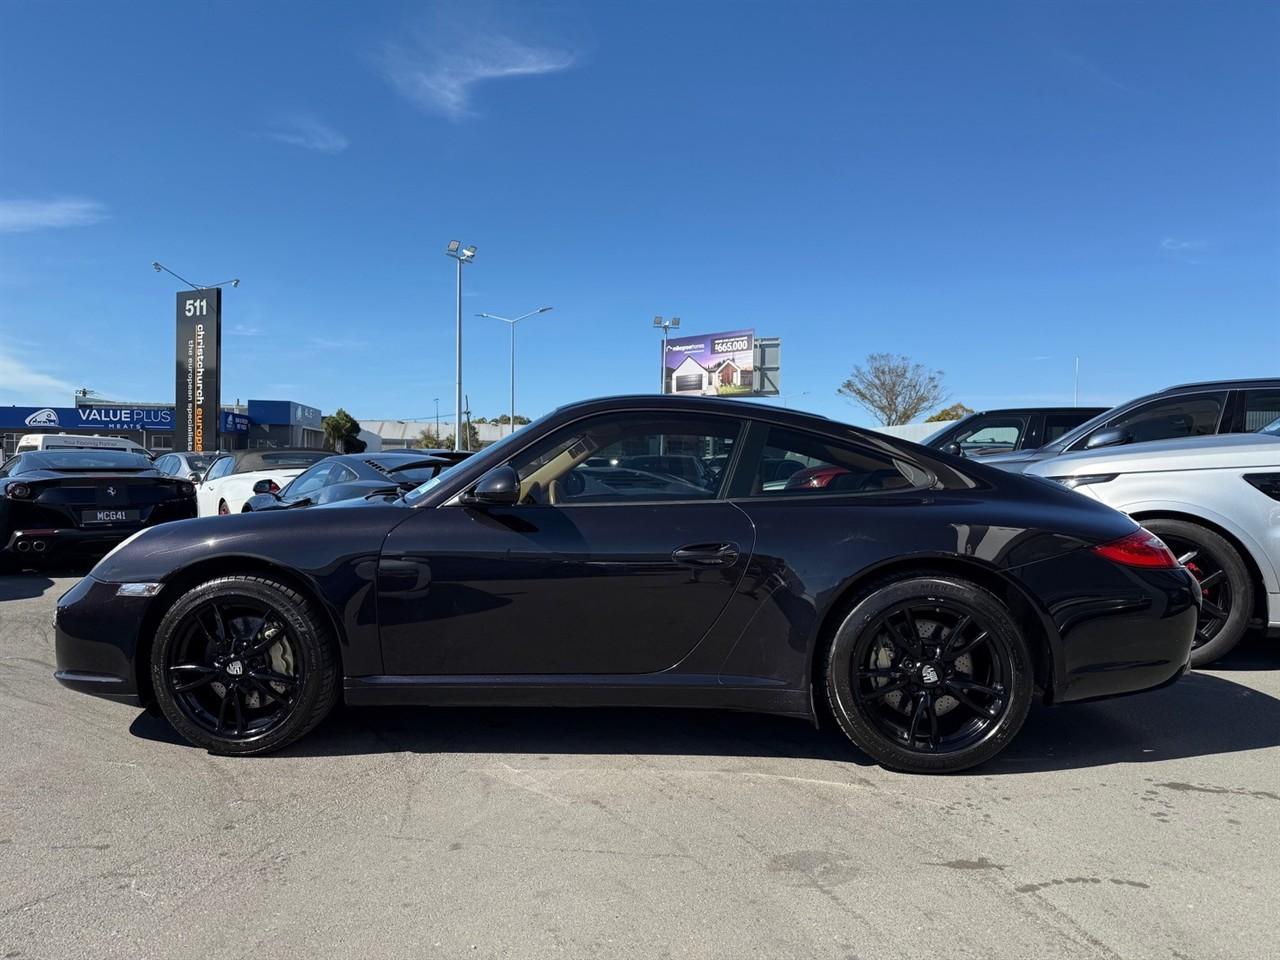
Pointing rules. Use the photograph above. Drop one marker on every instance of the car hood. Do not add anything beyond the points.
(1186, 453)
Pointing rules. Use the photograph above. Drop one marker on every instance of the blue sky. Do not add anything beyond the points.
(992, 189)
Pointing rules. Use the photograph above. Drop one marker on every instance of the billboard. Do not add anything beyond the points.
(713, 364)
(101, 418)
(198, 373)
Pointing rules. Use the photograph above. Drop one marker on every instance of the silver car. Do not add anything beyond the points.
(1187, 410)
(1216, 502)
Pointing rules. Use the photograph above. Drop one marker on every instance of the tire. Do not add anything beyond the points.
(1232, 592)
(287, 688)
(965, 641)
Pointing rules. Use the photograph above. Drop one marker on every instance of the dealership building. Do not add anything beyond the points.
(258, 423)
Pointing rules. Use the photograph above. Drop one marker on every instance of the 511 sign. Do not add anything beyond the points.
(198, 370)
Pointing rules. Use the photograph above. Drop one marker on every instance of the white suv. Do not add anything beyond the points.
(1216, 502)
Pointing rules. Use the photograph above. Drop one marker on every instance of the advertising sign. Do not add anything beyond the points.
(104, 419)
(233, 422)
(713, 364)
(198, 370)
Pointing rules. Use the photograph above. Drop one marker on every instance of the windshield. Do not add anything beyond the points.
(200, 461)
(933, 437)
(491, 455)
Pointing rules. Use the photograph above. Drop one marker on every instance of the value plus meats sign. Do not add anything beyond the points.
(199, 370)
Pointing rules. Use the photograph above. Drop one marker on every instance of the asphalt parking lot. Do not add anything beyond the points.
(1143, 827)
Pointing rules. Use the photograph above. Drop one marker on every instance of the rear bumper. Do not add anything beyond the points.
(1119, 629)
(37, 543)
(96, 641)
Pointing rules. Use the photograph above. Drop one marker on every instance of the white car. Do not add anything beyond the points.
(231, 478)
(1216, 502)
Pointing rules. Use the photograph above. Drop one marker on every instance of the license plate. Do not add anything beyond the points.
(109, 516)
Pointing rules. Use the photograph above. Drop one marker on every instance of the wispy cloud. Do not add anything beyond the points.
(21, 216)
(1184, 251)
(308, 133)
(324, 343)
(20, 381)
(439, 69)
(243, 330)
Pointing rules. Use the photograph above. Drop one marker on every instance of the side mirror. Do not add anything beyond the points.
(264, 486)
(954, 449)
(500, 487)
(194, 477)
(1109, 437)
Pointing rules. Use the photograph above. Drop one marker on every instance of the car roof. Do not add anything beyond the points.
(249, 461)
(1087, 411)
(1225, 384)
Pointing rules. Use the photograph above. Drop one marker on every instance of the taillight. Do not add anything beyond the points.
(1142, 548)
(19, 491)
(1268, 483)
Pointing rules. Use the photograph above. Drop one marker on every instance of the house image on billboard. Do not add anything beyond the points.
(727, 373)
(690, 377)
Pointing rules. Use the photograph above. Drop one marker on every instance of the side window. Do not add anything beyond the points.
(340, 473)
(631, 458)
(991, 434)
(311, 481)
(10, 466)
(796, 463)
(1057, 425)
(1261, 407)
(1193, 416)
(219, 468)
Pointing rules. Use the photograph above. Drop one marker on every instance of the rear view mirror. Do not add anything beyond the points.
(1107, 437)
(499, 487)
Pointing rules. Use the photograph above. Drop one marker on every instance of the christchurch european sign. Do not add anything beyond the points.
(198, 370)
(87, 418)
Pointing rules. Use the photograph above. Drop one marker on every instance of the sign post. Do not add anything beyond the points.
(198, 370)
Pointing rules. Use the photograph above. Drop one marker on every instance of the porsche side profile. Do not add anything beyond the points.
(920, 599)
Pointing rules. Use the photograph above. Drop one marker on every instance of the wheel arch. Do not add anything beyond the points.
(1024, 610)
(1247, 555)
(199, 572)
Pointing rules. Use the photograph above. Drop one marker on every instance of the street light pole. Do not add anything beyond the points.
(466, 255)
(512, 325)
(665, 325)
(437, 419)
(157, 266)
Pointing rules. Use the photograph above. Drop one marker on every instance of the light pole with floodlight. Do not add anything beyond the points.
(464, 255)
(157, 266)
(512, 325)
(665, 326)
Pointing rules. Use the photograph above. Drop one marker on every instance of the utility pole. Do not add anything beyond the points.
(466, 255)
(665, 326)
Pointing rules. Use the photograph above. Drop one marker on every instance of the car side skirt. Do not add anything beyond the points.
(754, 694)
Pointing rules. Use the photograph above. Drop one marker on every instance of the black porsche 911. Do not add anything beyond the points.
(351, 475)
(79, 503)
(924, 600)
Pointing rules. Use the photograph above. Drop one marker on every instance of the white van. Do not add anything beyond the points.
(71, 441)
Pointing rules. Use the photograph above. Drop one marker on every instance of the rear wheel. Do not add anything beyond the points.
(929, 675)
(1224, 582)
(244, 665)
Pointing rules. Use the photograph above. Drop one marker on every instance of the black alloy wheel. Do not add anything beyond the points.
(1225, 585)
(929, 675)
(243, 665)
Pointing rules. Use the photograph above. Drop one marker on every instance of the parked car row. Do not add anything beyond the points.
(654, 550)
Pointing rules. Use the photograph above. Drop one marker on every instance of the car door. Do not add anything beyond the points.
(600, 568)
(207, 491)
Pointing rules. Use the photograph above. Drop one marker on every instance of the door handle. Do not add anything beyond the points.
(707, 554)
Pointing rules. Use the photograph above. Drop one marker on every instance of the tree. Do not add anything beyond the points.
(957, 411)
(894, 388)
(342, 433)
(429, 441)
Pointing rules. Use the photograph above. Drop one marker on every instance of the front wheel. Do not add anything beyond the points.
(929, 675)
(244, 665)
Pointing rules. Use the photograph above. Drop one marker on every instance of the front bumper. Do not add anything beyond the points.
(97, 638)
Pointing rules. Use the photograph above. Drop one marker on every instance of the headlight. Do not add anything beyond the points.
(1085, 479)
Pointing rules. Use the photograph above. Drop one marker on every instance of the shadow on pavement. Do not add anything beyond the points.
(25, 586)
(1201, 715)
